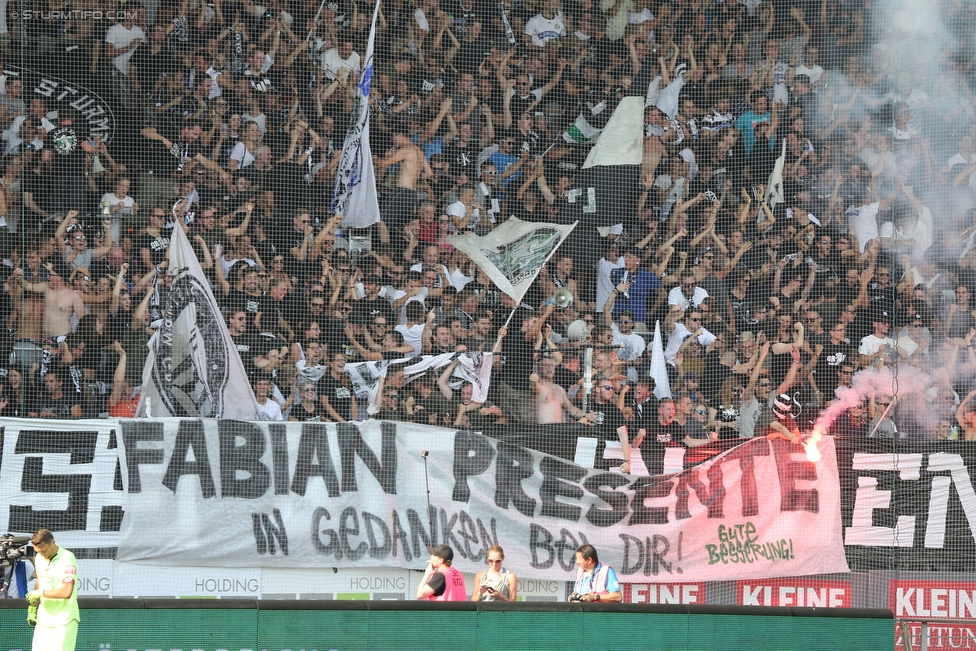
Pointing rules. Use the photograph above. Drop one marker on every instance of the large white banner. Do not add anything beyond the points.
(229, 494)
(233, 494)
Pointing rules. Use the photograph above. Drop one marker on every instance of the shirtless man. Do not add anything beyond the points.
(411, 167)
(60, 301)
(550, 398)
(29, 310)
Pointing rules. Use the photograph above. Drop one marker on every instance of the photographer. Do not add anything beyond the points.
(594, 581)
(18, 576)
(55, 595)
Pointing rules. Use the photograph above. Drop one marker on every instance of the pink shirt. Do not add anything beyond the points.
(455, 590)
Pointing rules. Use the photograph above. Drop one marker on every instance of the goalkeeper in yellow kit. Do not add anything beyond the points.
(55, 598)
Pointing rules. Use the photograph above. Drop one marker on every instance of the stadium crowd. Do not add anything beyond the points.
(230, 124)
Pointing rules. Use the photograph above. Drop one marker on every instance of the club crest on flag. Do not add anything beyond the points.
(514, 253)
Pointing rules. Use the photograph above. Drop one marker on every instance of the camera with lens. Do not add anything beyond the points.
(575, 597)
(14, 548)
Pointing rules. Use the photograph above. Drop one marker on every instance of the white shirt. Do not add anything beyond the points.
(679, 335)
(864, 223)
(270, 410)
(959, 160)
(421, 19)
(677, 297)
(402, 317)
(871, 344)
(813, 73)
(332, 62)
(542, 29)
(604, 284)
(120, 37)
(241, 154)
(442, 273)
(414, 336)
(458, 210)
(632, 345)
(214, 86)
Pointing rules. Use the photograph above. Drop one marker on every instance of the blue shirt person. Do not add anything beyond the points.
(594, 580)
(746, 124)
(642, 283)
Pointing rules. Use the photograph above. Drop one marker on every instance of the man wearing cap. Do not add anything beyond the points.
(442, 582)
(913, 344)
(878, 344)
(783, 425)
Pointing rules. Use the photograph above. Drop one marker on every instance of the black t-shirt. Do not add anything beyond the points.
(260, 83)
(437, 583)
(240, 300)
(244, 344)
(374, 307)
(164, 162)
(462, 158)
(831, 359)
(317, 415)
(338, 395)
(157, 245)
(465, 13)
(471, 54)
(518, 353)
(659, 438)
(68, 157)
(714, 375)
(61, 408)
(286, 239)
(40, 186)
(609, 419)
(291, 191)
(150, 67)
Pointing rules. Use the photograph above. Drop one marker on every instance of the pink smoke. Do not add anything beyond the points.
(868, 383)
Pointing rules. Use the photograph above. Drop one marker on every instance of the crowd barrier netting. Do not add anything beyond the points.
(287, 290)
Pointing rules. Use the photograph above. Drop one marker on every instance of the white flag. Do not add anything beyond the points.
(354, 195)
(193, 368)
(622, 141)
(513, 254)
(365, 377)
(659, 369)
(473, 367)
(774, 186)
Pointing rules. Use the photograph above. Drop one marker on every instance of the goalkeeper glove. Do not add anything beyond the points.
(34, 597)
(32, 616)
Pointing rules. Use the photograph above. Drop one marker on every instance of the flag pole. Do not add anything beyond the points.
(315, 21)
